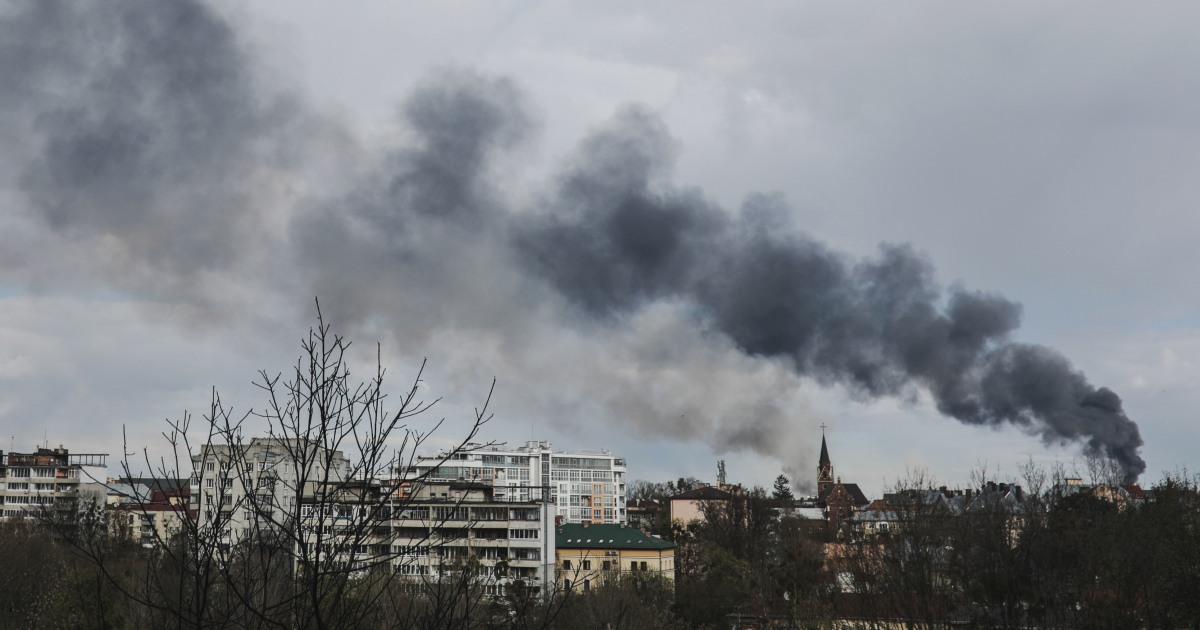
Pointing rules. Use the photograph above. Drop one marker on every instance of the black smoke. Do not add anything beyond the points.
(616, 238)
(144, 123)
(145, 143)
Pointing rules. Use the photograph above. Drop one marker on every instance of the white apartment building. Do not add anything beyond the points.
(583, 486)
(49, 479)
(434, 530)
(254, 485)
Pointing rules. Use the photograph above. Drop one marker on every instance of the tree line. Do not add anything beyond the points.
(1060, 554)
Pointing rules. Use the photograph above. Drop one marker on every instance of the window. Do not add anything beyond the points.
(412, 569)
(208, 483)
(524, 514)
(587, 566)
(210, 467)
(411, 513)
(566, 565)
(566, 585)
(606, 565)
(633, 566)
(586, 585)
(526, 534)
(643, 566)
(450, 513)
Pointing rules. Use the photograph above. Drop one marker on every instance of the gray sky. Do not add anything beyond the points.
(683, 232)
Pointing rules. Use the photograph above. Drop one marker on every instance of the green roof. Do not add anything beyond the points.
(605, 536)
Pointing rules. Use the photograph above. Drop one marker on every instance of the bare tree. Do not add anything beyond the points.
(290, 525)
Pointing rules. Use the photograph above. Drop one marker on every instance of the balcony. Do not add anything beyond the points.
(489, 542)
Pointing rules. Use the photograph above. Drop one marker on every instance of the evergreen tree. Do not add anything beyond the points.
(782, 492)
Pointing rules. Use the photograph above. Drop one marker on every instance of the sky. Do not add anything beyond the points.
(959, 236)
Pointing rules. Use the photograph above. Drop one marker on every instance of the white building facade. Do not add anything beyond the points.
(249, 487)
(436, 528)
(583, 486)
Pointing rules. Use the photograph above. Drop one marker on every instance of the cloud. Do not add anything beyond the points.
(152, 150)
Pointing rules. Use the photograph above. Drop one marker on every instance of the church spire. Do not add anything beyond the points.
(824, 469)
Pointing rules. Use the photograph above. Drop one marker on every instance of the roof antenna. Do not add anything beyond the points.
(721, 472)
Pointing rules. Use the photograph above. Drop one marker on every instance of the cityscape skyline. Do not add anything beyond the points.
(182, 182)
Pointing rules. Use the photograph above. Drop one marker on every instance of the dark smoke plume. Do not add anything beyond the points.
(616, 239)
(146, 120)
(142, 141)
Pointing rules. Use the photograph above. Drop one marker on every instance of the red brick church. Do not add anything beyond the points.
(839, 500)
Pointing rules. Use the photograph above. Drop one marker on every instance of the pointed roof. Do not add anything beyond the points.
(824, 453)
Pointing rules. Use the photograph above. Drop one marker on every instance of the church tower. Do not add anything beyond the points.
(824, 469)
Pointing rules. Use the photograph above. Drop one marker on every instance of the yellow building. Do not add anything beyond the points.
(588, 553)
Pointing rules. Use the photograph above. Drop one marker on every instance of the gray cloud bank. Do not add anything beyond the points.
(145, 144)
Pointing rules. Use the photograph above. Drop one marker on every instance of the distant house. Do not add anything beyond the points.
(146, 511)
(642, 514)
(877, 519)
(587, 554)
(687, 507)
(1122, 496)
(843, 500)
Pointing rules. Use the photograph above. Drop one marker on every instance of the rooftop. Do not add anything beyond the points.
(605, 536)
(706, 493)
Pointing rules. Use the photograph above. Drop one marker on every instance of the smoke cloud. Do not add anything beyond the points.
(146, 142)
(614, 241)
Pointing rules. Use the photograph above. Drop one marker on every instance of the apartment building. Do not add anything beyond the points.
(583, 486)
(435, 531)
(439, 528)
(49, 479)
(246, 487)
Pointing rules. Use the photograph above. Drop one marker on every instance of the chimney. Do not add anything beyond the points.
(586, 524)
